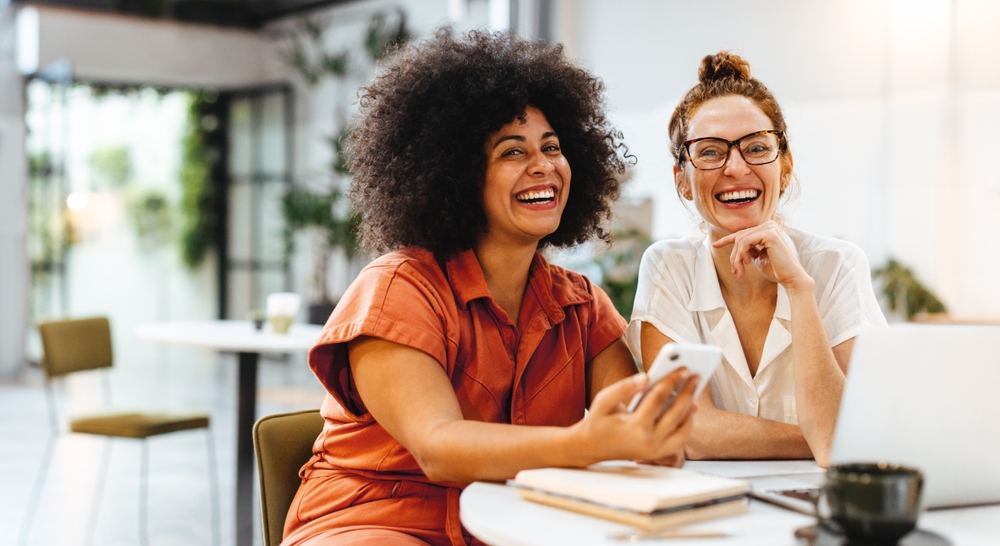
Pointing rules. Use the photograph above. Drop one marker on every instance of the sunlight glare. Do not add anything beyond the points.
(76, 201)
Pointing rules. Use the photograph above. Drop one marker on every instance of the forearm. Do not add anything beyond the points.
(466, 451)
(819, 380)
(719, 434)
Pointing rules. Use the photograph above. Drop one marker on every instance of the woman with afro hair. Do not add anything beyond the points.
(461, 354)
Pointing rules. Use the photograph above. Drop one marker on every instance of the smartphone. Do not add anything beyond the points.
(700, 359)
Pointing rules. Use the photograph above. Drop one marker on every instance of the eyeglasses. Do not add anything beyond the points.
(758, 148)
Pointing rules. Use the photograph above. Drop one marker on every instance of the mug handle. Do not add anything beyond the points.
(826, 522)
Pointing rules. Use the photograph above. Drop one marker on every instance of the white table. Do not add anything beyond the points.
(497, 515)
(239, 337)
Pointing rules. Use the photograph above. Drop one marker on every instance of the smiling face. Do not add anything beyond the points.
(527, 181)
(738, 195)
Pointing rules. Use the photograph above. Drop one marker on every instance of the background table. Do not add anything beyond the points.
(496, 514)
(239, 337)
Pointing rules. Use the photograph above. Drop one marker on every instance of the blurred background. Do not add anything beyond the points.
(165, 160)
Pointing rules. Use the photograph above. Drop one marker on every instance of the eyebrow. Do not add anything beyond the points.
(520, 138)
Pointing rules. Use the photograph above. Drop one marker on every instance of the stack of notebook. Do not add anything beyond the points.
(648, 497)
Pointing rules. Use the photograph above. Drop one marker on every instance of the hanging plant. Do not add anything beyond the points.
(199, 219)
(383, 36)
(149, 213)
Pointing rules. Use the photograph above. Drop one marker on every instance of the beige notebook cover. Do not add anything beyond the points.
(645, 496)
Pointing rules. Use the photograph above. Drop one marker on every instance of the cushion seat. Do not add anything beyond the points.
(137, 425)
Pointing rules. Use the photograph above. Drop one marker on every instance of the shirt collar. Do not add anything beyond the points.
(554, 293)
(707, 294)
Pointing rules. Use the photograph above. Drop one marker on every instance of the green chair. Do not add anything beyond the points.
(72, 346)
(283, 443)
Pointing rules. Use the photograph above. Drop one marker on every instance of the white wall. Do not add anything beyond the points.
(892, 109)
(13, 207)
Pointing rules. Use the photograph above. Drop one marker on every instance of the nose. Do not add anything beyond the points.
(541, 164)
(735, 165)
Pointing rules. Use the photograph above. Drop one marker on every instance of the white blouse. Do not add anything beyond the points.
(679, 294)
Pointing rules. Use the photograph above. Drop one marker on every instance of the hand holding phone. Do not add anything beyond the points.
(700, 359)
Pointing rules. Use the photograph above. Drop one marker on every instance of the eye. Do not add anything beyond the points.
(709, 150)
(554, 147)
(511, 152)
(757, 148)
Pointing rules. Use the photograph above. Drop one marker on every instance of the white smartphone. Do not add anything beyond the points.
(700, 359)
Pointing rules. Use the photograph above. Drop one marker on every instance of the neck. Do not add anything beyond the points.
(506, 271)
(752, 286)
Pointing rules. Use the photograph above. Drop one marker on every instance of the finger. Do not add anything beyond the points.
(739, 256)
(675, 444)
(681, 409)
(614, 397)
(728, 239)
(651, 406)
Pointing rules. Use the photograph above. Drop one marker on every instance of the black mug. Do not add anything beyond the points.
(871, 503)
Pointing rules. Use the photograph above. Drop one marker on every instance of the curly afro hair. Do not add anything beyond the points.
(417, 149)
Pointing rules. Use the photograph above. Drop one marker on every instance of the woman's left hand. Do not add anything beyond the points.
(765, 247)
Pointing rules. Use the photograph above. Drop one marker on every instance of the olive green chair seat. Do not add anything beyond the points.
(137, 425)
(283, 443)
(79, 345)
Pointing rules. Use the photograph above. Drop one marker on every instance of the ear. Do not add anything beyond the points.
(682, 183)
(786, 177)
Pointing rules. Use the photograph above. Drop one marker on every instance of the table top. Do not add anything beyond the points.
(230, 335)
(497, 515)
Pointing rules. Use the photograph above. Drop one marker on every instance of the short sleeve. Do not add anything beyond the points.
(845, 294)
(395, 302)
(666, 283)
(606, 324)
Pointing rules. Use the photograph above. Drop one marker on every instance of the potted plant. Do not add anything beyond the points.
(321, 210)
(316, 214)
(904, 293)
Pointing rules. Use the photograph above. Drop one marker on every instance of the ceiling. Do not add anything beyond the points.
(227, 13)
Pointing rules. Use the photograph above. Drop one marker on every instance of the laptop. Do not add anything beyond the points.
(921, 395)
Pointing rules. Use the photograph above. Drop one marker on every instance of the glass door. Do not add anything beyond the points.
(259, 174)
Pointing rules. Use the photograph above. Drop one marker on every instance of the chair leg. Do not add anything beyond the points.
(213, 487)
(143, 492)
(102, 478)
(36, 492)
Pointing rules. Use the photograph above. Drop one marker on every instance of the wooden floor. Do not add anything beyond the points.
(151, 377)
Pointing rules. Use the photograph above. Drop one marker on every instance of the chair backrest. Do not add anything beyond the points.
(283, 443)
(75, 345)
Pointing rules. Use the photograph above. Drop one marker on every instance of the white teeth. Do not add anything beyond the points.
(530, 196)
(741, 195)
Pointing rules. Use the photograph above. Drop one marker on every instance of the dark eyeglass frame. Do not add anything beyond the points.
(730, 144)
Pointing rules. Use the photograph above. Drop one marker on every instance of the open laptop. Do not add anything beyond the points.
(921, 395)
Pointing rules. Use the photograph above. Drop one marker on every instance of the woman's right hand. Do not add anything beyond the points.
(647, 434)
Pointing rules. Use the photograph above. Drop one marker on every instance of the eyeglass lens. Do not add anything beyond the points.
(756, 149)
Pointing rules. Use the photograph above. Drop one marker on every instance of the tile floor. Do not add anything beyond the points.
(146, 376)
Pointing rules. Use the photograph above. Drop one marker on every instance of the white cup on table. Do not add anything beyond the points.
(281, 309)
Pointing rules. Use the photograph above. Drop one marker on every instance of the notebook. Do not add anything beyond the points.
(648, 497)
(922, 395)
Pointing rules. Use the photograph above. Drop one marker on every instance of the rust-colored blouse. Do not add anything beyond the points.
(360, 477)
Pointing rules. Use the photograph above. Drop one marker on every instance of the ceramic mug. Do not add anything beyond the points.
(870, 503)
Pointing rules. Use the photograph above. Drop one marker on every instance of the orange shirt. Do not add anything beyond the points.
(532, 374)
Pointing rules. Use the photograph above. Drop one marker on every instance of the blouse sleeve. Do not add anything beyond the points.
(665, 286)
(390, 302)
(847, 301)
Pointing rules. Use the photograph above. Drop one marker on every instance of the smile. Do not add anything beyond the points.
(738, 197)
(536, 197)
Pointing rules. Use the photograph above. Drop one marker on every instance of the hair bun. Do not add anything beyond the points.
(723, 65)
